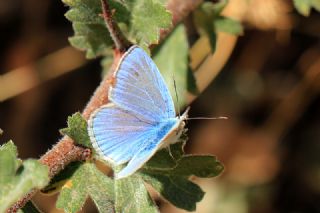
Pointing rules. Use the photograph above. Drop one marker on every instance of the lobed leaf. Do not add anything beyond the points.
(148, 17)
(132, 196)
(140, 21)
(172, 181)
(86, 181)
(77, 130)
(16, 178)
(204, 166)
(177, 190)
(90, 32)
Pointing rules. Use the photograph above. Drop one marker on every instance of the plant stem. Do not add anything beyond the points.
(121, 43)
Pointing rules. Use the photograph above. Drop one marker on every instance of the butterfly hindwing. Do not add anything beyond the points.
(121, 137)
(116, 134)
(149, 147)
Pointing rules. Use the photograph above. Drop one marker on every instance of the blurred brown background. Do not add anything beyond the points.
(269, 89)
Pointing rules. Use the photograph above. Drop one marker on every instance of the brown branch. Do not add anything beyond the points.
(65, 151)
(119, 40)
(179, 9)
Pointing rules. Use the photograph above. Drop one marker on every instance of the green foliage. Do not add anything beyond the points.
(304, 6)
(168, 172)
(209, 21)
(198, 165)
(140, 21)
(148, 17)
(16, 177)
(172, 61)
(177, 190)
(90, 32)
(132, 196)
(165, 159)
(77, 130)
(228, 25)
(172, 180)
(86, 181)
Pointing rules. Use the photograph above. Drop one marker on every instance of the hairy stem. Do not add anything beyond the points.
(121, 43)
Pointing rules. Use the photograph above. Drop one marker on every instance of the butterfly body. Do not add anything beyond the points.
(141, 117)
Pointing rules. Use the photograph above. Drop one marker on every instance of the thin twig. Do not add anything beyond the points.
(65, 151)
(121, 43)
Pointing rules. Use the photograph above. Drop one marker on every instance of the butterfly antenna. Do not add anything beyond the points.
(208, 118)
(175, 90)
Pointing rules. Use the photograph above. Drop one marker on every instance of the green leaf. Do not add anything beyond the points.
(9, 147)
(204, 166)
(90, 32)
(165, 160)
(228, 25)
(8, 162)
(304, 6)
(170, 179)
(177, 190)
(209, 21)
(17, 179)
(93, 38)
(132, 196)
(77, 130)
(148, 17)
(172, 61)
(139, 20)
(86, 181)
(203, 19)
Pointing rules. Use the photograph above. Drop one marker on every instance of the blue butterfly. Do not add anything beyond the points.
(141, 117)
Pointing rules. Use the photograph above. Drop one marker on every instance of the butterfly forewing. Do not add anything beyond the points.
(140, 88)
